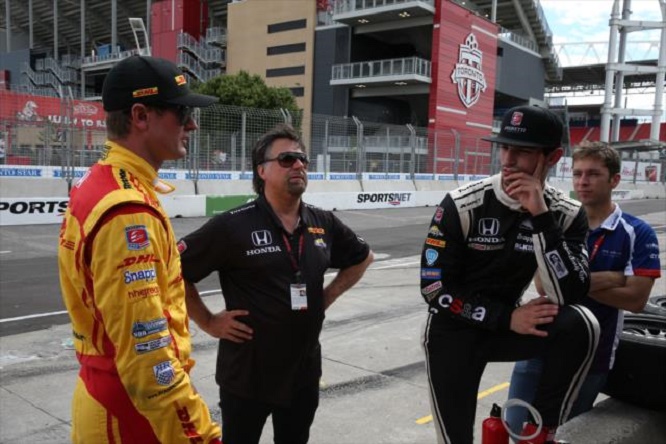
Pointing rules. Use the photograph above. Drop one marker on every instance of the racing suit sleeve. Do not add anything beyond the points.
(136, 280)
(562, 256)
(443, 262)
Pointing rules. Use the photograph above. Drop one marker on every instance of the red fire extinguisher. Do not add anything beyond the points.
(493, 431)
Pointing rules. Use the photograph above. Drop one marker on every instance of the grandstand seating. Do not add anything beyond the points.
(629, 133)
(643, 132)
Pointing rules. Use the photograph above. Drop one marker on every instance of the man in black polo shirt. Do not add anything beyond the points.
(271, 256)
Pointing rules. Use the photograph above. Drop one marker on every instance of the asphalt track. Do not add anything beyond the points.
(30, 293)
(374, 387)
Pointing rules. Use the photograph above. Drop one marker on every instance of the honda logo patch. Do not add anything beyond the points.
(262, 238)
(489, 226)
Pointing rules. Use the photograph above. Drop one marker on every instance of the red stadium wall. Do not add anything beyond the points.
(27, 117)
(464, 62)
(169, 18)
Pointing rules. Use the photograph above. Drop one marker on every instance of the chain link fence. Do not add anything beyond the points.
(66, 134)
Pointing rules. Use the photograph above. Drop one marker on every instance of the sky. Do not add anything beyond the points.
(576, 21)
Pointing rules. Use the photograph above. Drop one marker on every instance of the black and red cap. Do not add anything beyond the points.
(151, 81)
(530, 126)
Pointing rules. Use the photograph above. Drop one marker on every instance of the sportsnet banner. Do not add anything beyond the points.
(50, 210)
(30, 211)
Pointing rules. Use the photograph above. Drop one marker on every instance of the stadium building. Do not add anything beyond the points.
(433, 66)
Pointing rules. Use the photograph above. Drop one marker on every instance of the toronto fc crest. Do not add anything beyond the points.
(468, 72)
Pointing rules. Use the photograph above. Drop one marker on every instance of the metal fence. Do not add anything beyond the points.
(227, 135)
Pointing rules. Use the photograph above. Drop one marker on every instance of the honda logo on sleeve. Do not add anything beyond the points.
(489, 226)
(262, 238)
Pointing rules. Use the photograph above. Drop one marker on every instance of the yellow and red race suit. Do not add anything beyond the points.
(121, 281)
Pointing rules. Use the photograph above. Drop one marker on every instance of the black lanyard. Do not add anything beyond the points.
(596, 246)
(294, 257)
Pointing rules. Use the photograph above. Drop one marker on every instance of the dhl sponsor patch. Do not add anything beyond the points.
(144, 92)
(181, 80)
(140, 259)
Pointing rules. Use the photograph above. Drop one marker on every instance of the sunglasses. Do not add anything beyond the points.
(183, 113)
(289, 158)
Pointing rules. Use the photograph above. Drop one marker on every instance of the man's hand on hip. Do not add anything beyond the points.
(224, 325)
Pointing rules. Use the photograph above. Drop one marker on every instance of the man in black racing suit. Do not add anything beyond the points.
(486, 241)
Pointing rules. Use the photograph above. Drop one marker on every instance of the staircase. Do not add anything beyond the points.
(201, 59)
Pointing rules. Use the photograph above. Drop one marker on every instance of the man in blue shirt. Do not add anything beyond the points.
(624, 261)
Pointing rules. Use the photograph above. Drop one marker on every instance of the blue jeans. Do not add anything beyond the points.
(524, 382)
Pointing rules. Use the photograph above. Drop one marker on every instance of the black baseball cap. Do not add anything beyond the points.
(148, 80)
(530, 126)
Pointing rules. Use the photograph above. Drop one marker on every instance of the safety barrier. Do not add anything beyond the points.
(46, 187)
(20, 204)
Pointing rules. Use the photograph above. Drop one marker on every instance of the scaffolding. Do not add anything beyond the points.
(617, 68)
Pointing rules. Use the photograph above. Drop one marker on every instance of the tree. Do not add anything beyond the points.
(250, 91)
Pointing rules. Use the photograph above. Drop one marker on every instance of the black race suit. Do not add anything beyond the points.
(480, 255)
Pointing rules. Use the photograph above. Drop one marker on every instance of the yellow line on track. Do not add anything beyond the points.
(481, 395)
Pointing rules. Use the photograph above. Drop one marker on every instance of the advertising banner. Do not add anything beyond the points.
(40, 211)
(25, 108)
(220, 204)
(642, 171)
(32, 211)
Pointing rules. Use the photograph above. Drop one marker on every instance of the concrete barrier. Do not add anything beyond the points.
(436, 185)
(225, 187)
(653, 190)
(337, 186)
(28, 187)
(430, 198)
(183, 205)
(364, 200)
(387, 185)
(612, 421)
(183, 187)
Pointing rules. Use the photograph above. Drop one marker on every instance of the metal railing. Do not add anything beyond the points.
(518, 39)
(226, 137)
(64, 75)
(382, 68)
(93, 60)
(71, 61)
(205, 53)
(344, 6)
(216, 36)
(194, 66)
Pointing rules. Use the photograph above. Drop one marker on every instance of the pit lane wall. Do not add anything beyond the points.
(38, 195)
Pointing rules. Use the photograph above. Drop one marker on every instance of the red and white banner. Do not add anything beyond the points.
(26, 108)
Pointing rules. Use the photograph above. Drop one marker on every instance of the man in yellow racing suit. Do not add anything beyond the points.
(120, 271)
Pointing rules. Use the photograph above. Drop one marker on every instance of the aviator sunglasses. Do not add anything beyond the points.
(288, 159)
